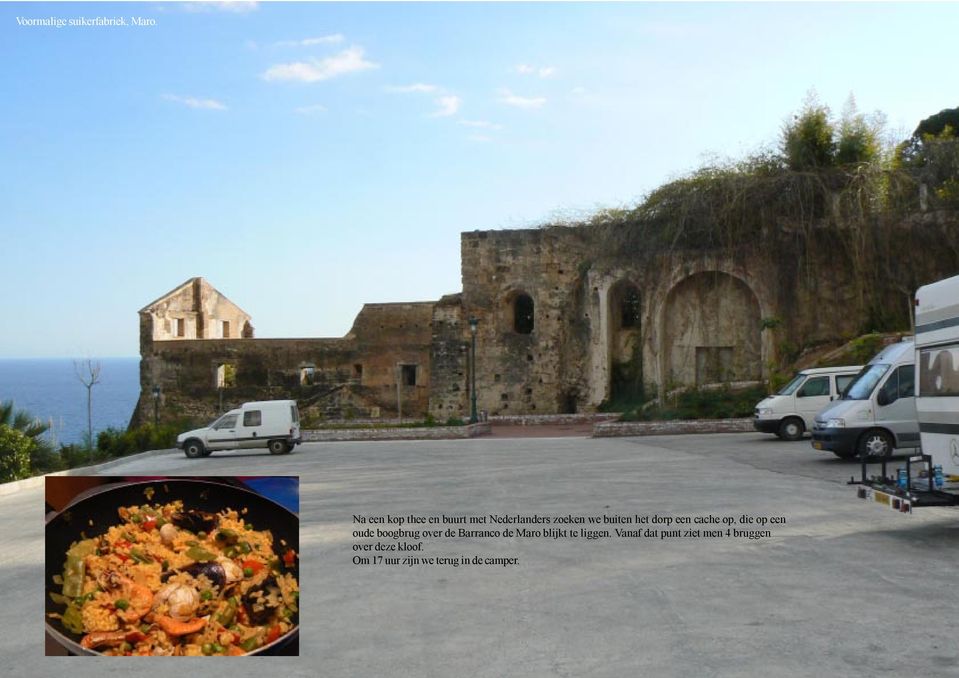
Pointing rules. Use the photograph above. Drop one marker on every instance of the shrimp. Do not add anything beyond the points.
(172, 627)
(98, 638)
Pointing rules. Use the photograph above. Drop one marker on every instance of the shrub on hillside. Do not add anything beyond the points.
(15, 448)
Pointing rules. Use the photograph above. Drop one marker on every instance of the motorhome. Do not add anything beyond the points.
(790, 412)
(930, 476)
(273, 424)
(877, 413)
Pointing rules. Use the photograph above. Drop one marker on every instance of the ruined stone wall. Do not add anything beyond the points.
(449, 360)
(196, 310)
(540, 371)
(330, 378)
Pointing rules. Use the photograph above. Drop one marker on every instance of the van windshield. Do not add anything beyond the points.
(866, 382)
(789, 388)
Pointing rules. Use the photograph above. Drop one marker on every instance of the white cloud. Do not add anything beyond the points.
(348, 61)
(526, 103)
(236, 6)
(481, 124)
(541, 71)
(448, 105)
(335, 38)
(310, 110)
(193, 102)
(409, 89)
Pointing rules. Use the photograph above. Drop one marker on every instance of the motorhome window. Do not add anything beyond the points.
(226, 421)
(939, 371)
(843, 381)
(818, 386)
(866, 382)
(252, 418)
(791, 387)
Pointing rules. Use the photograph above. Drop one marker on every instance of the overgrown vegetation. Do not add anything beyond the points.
(834, 193)
(722, 403)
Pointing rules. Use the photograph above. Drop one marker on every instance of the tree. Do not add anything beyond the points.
(88, 373)
(807, 143)
(859, 136)
(15, 448)
(42, 455)
(20, 420)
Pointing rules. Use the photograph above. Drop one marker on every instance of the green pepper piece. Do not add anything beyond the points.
(72, 619)
(250, 643)
(199, 555)
(227, 615)
(122, 603)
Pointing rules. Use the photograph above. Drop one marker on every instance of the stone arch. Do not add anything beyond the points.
(520, 312)
(711, 331)
(624, 317)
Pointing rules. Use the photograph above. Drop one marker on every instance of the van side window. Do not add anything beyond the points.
(907, 381)
(843, 381)
(817, 386)
(226, 422)
(252, 418)
(891, 387)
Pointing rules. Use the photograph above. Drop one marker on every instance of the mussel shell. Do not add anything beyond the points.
(195, 521)
(261, 616)
(211, 570)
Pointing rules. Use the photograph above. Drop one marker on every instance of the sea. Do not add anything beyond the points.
(48, 389)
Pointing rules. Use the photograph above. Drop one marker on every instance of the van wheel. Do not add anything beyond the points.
(791, 429)
(278, 447)
(194, 449)
(875, 443)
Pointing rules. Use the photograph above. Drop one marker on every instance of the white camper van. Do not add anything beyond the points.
(790, 412)
(937, 357)
(273, 424)
(878, 411)
(930, 476)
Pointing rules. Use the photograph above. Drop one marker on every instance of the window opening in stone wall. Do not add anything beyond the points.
(180, 327)
(226, 329)
(307, 375)
(630, 308)
(357, 371)
(226, 375)
(523, 314)
(408, 375)
(714, 364)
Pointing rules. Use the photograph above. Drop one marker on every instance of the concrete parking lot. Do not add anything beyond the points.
(844, 588)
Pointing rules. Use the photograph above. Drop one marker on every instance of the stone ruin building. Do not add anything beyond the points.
(561, 329)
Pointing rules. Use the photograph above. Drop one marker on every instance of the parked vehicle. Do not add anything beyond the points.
(929, 477)
(273, 424)
(877, 413)
(790, 412)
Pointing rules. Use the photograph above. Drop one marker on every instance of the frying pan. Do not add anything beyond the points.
(101, 508)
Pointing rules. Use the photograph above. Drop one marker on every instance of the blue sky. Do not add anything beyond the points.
(307, 158)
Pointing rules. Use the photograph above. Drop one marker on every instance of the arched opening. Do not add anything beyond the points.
(625, 344)
(711, 331)
(523, 313)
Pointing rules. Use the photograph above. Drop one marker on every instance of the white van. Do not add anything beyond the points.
(273, 424)
(790, 412)
(878, 412)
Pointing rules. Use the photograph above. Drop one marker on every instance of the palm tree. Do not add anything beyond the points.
(20, 420)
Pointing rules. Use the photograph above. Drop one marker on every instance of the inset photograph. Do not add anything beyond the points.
(173, 566)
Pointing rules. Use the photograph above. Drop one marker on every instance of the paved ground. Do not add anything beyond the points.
(843, 589)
